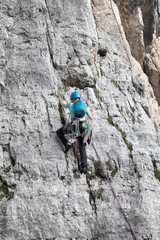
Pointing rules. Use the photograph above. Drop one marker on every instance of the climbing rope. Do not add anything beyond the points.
(103, 10)
(115, 195)
(151, 237)
(121, 33)
(119, 28)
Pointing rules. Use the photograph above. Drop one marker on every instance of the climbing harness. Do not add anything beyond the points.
(72, 131)
(132, 231)
(77, 128)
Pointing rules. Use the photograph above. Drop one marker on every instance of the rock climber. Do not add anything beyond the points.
(77, 110)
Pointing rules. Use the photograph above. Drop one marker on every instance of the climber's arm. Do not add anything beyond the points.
(64, 103)
(90, 116)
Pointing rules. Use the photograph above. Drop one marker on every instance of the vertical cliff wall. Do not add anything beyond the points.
(47, 50)
(140, 20)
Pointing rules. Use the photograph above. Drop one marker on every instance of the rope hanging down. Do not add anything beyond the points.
(132, 231)
(121, 33)
(119, 27)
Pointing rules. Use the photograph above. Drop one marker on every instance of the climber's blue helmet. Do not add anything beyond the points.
(75, 95)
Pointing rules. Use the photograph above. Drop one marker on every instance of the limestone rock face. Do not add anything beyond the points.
(152, 67)
(140, 20)
(47, 50)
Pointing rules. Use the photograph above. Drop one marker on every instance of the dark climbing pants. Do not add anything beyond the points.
(82, 150)
(60, 134)
(82, 146)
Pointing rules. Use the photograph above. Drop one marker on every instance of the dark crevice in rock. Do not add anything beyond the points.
(48, 10)
(49, 38)
(60, 109)
(79, 81)
(148, 11)
(92, 197)
(154, 164)
(2, 88)
(6, 190)
(58, 171)
(7, 149)
(47, 111)
(49, 48)
(158, 23)
(102, 52)
(146, 109)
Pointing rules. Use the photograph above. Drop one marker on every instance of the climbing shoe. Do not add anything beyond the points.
(83, 170)
(67, 148)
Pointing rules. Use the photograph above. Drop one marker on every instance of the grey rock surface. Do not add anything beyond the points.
(47, 50)
(140, 20)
